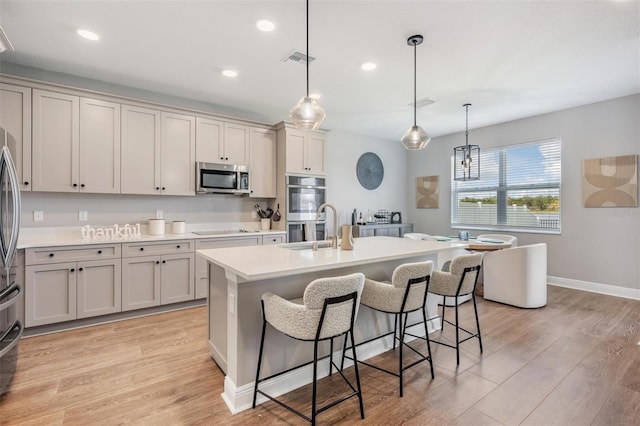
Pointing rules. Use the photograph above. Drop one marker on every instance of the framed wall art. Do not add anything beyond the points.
(427, 192)
(610, 181)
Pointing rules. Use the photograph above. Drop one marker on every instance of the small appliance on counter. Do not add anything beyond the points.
(178, 227)
(396, 217)
(156, 226)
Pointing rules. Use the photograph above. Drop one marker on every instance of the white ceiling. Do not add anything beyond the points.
(510, 59)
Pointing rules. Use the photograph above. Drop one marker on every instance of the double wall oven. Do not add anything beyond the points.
(304, 195)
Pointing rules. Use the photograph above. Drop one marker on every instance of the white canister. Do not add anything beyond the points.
(178, 227)
(265, 224)
(156, 226)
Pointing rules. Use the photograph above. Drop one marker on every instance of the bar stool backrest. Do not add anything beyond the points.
(458, 266)
(338, 314)
(416, 271)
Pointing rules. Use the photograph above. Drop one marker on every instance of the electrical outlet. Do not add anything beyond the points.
(38, 216)
(82, 215)
(159, 214)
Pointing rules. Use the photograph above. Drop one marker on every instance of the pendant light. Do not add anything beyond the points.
(466, 159)
(416, 137)
(307, 114)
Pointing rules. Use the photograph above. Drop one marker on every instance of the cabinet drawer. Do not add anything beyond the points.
(164, 247)
(272, 239)
(47, 255)
(254, 240)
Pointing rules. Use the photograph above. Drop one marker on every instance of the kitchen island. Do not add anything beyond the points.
(239, 276)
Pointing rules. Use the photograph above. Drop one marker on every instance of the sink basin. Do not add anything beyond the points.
(306, 245)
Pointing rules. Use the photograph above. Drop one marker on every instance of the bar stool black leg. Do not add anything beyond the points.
(330, 356)
(475, 308)
(355, 366)
(457, 332)
(426, 335)
(395, 330)
(255, 388)
(444, 305)
(315, 380)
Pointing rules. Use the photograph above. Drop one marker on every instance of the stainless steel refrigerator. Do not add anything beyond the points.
(10, 292)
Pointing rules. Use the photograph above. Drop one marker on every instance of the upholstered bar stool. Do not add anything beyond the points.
(327, 310)
(459, 280)
(407, 292)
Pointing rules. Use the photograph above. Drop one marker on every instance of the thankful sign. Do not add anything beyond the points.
(116, 232)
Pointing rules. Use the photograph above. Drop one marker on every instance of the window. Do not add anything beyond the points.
(518, 190)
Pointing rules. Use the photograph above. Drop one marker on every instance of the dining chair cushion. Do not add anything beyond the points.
(299, 318)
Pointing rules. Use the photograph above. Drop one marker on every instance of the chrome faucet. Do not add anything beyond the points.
(334, 243)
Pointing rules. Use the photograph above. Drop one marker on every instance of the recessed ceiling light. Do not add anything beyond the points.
(230, 73)
(89, 35)
(266, 26)
(368, 66)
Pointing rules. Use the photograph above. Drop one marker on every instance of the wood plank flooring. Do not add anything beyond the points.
(574, 362)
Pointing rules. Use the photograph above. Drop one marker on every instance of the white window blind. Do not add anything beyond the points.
(519, 190)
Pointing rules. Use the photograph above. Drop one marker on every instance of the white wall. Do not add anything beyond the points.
(345, 192)
(597, 245)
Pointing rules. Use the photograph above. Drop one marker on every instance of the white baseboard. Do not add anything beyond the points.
(241, 398)
(611, 290)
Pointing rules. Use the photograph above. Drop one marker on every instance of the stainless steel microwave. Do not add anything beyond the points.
(213, 178)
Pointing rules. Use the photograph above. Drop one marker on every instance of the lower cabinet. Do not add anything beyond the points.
(387, 230)
(159, 279)
(71, 290)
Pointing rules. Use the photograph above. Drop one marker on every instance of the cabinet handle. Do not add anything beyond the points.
(226, 158)
(80, 269)
(222, 158)
(26, 183)
(157, 188)
(99, 251)
(50, 254)
(73, 270)
(157, 262)
(82, 185)
(164, 261)
(75, 184)
(163, 188)
(178, 246)
(141, 248)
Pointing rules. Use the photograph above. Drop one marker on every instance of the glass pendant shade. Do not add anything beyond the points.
(415, 138)
(307, 114)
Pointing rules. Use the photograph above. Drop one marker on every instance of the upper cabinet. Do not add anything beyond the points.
(303, 151)
(15, 119)
(158, 152)
(220, 142)
(262, 165)
(76, 144)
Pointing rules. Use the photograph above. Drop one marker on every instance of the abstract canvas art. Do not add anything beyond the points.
(611, 182)
(427, 192)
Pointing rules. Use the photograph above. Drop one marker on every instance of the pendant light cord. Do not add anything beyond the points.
(414, 81)
(466, 133)
(307, 48)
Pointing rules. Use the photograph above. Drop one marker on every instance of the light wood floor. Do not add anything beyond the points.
(574, 362)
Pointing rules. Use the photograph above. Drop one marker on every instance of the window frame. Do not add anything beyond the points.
(506, 188)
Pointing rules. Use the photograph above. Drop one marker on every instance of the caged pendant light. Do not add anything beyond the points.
(307, 114)
(415, 137)
(466, 159)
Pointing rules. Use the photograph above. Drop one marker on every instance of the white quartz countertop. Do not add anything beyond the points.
(70, 236)
(263, 262)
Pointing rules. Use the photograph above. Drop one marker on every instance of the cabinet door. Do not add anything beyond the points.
(140, 151)
(394, 231)
(209, 134)
(177, 279)
(99, 288)
(262, 164)
(55, 141)
(236, 144)
(15, 118)
(405, 230)
(364, 232)
(178, 154)
(381, 232)
(272, 239)
(295, 152)
(140, 282)
(99, 146)
(50, 295)
(314, 154)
